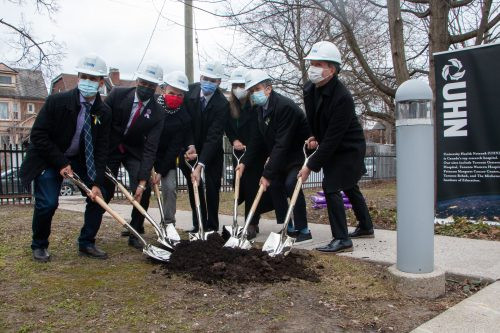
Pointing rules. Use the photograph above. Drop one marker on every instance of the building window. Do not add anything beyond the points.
(31, 108)
(4, 140)
(15, 112)
(4, 111)
(6, 79)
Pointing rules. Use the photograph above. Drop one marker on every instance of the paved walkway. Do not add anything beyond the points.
(467, 257)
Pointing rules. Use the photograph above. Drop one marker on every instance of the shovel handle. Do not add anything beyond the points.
(131, 198)
(237, 179)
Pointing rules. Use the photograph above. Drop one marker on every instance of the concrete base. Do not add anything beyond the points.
(426, 285)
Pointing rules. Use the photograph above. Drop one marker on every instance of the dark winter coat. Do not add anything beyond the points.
(141, 140)
(333, 122)
(53, 131)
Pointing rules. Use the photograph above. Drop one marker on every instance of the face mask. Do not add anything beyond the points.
(208, 87)
(88, 88)
(259, 98)
(144, 93)
(315, 74)
(240, 93)
(173, 101)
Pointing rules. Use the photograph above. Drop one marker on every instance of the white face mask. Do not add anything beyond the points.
(315, 74)
(240, 93)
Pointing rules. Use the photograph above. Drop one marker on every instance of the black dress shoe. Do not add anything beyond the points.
(361, 233)
(41, 255)
(126, 233)
(194, 230)
(337, 246)
(252, 231)
(135, 243)
(92, 251)
(303, 238)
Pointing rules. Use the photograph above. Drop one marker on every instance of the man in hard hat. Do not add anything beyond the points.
(176, 124)
(135, 132)
(71, 133)
(208, 109)
(335, 126)
(282, 130)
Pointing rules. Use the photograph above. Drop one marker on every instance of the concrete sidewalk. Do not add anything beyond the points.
(480, 259)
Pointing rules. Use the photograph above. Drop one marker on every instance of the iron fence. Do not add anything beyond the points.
(379, 166)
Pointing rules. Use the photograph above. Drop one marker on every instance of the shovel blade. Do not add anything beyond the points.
(199, 236)
(235, 242)
(156, 253)
(275, 246)
(165, 243)
(172, 235)
(228, 231)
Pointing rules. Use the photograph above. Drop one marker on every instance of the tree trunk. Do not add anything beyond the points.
(439, 38)
(397, 41)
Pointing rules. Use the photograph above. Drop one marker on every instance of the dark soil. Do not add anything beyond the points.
(210, 262)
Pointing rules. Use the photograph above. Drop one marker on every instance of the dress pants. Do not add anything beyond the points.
(336, 211)
(132, 165)
(282, 188)
(46, 192)
(210, 206)
(169, 195)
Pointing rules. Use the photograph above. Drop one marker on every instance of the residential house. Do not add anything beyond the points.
(22, 94)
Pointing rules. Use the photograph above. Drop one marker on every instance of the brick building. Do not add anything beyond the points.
(22, 94)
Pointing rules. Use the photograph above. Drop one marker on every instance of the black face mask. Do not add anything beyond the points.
(144, 93)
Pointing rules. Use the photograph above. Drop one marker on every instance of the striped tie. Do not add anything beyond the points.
(89, 148)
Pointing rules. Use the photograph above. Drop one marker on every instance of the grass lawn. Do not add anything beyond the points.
(128, 292)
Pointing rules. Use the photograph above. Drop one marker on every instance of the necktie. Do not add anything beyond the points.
(89, 148)
(136, 115)
(203, 103)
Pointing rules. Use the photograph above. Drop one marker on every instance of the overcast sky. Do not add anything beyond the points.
(118, 31)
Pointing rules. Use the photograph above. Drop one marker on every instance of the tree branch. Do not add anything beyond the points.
(471, 34)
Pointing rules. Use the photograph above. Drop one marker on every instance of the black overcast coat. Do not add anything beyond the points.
(333, 121)
(172, 140)
(54, 129)
(280, 135)
(141, 140)
(207, 126)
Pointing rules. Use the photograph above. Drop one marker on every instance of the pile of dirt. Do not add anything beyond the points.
(210, 262)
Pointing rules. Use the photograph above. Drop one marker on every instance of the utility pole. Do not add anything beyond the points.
(188, 39)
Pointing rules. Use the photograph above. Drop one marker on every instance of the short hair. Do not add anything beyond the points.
(336, 65)
(267, 83)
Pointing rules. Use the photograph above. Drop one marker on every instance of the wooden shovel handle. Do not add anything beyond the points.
(237, 184)
(131, 198)
(257, 199)
(100, 201)
(296, 192)
(156, 189)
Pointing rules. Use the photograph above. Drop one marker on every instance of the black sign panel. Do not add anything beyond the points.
(468, 132)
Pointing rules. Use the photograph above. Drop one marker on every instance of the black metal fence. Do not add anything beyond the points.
(379, 166)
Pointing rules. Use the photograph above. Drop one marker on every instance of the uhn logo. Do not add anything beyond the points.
(455, 96)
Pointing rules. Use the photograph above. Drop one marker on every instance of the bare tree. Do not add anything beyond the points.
(33, 52)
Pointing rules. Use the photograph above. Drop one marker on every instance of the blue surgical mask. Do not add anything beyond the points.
(208, 87)
(88, 88)
(259, 98)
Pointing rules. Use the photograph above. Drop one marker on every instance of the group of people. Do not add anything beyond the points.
(141, 129)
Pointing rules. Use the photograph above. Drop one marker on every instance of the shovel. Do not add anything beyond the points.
(235, 230)
(162, 239)
(241, 240)
(281, 243)
(169, 231)
(148, 249)
(201, 234)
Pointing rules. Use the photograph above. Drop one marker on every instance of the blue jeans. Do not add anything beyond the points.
(47, 188)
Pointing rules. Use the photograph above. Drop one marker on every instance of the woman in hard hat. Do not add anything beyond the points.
(238, 129)
(70, 133)
(335, 126)
(177, 123)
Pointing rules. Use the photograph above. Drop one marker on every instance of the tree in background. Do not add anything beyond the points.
(31, 51)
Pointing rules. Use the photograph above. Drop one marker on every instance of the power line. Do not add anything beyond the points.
(152, 34)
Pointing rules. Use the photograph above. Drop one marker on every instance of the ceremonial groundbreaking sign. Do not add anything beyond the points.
(468, 132)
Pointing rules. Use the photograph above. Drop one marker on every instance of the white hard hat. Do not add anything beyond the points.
(326, 51)
(254, 77)
(238, 75)
(212, 69)
(177, 79)
(150, 72)
(92, 64)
